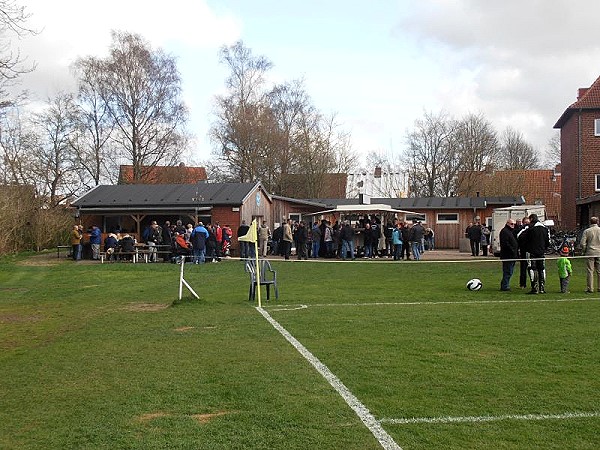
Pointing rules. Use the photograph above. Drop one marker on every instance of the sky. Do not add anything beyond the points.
(378, 66)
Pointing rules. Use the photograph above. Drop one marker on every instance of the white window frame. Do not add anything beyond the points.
(444, 221)
(597, 180)
(596, 127)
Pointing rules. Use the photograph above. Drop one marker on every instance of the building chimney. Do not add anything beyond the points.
(377, 172)
(581, 92)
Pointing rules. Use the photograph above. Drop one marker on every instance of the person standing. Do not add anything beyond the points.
(416, 235)
(198, 239)
(473, 232)
(520, 224)
(154, 238)
(264, 233)
(347, 238)
(277, 241)
(287, 238)
(167, 239)
(509, 251)
(536, 239)
(564, 269)
(328, 240)
(76, 235)
(95, 241)
(368, 240)
(219, 236)
(590, 245)
(405, 235)
(429, 238)
(397, 242)
(485, 239)
(244, 246)
(301, 238)
(317, 236)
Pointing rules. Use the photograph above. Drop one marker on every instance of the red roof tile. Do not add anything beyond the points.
(163, 175)
(588, 99)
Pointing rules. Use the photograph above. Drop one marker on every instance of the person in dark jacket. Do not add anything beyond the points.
(347, 238)
(405, 235)
(417, 232)
(198, 239)
(301, 238)
(509, 251)
(473, 232)
(523, 272)
(244, 246)
(536, 239)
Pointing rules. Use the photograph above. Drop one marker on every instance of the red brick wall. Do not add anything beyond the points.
(591, 154)
(571, 173)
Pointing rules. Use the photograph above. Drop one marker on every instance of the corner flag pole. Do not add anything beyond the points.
(251, 236)
(257, 268)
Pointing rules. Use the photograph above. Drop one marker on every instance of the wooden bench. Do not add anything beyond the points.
(63, 247)
(117, 255)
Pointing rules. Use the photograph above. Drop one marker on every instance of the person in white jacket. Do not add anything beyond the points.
(590, 246)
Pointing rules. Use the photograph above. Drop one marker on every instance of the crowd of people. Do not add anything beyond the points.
(526, 240)
(479, 237)
(200, 243)
(368, 238)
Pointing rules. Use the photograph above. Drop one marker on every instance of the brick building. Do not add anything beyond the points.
(538, 187)
(580, 157)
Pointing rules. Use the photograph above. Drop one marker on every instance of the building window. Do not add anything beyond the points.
(447, 218)
(597, 182)
(596, 127)
(413, 217)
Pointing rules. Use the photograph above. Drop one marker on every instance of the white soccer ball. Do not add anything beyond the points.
(474, 284)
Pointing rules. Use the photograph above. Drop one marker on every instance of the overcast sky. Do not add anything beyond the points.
(377, 65)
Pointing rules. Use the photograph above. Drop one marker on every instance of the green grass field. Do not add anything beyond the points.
(105, 356)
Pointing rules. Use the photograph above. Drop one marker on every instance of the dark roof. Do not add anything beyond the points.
(428, 202)
(317, 203)
(589, 99)
(169, 195)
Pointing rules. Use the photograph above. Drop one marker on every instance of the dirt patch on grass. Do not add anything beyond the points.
(43, 260)
(184, 329)
(200, 418)
(145, 307)
(151, 416)
(205, 418)
(17, 318)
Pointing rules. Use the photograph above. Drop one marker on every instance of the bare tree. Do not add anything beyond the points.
(17, 142)
(142, 90)
(516, 153)
(475, 140)
(13, 18)
(94, 126)
(53, 163)
(273, 134)
(552, 155)
(476, 145)
(430, 158)
(241, 112)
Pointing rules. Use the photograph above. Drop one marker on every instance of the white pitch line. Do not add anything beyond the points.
(476, 419)
(361, 410)
(462, 302)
